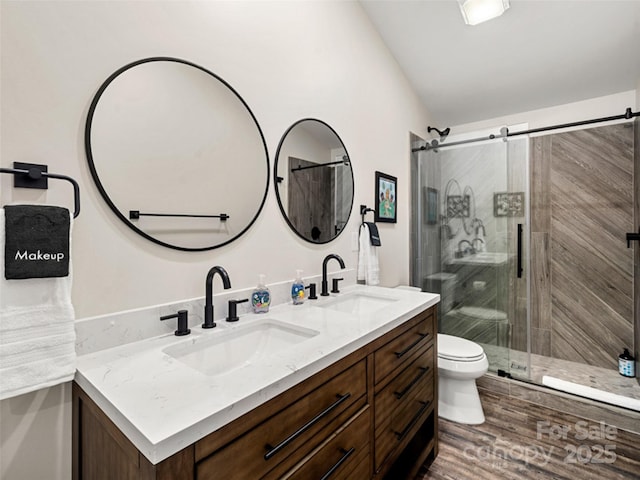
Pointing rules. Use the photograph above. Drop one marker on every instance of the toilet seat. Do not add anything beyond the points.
(458, 349)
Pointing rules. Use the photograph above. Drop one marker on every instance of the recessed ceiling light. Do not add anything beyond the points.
(478, 11)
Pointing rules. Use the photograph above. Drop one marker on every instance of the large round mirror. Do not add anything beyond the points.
(177, 154)
(314, 180)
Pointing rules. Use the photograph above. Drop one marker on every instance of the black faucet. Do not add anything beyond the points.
(463, 251)
(233, 310)
(334, 282)
(208, 305)
(312, 291)
(325, 282)
(183, 322)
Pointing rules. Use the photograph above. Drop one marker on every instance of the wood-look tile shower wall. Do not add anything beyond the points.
(582, 195)
(636, 262)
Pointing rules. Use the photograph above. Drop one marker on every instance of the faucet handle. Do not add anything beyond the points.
(334, 285)
(183, 322)
(233, 313)
(312, 291)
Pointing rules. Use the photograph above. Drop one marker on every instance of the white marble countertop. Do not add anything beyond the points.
(162, 405)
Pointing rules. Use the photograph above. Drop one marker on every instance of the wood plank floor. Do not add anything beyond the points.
(520, 440)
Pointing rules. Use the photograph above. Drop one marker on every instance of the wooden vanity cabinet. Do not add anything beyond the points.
(371, 414)
(405, 398)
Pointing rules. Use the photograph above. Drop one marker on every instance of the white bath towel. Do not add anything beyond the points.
(37, 334)
(368, 268)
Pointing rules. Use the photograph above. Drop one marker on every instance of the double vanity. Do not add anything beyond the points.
(341, 387)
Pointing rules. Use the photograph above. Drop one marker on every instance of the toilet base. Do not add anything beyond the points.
(459, 401)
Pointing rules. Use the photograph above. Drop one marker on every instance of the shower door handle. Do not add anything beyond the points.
(520, 270)
(632, 237)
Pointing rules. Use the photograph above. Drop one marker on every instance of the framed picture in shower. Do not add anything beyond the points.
(458, 206)
(386, 198)
(508, 204)
(431, 205)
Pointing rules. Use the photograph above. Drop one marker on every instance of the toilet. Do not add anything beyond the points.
(460, 362)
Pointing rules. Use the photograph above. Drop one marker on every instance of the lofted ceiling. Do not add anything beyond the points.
(538, 54)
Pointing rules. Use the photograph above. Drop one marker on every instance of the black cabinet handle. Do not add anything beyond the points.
(405, 390)
(520, 270)
(347, 454)
(413, 421)
(273, 450)
(404, 352)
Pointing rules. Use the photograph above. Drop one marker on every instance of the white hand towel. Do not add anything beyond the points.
(368, 268)
(37, 332)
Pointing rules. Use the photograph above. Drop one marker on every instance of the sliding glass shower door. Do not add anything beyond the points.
(469, 202)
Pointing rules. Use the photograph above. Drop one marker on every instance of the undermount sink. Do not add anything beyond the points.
(357, 303)
(228, 351)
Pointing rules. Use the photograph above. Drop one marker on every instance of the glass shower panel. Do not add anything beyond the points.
(474, 239)
(518, 232)
(465, 211)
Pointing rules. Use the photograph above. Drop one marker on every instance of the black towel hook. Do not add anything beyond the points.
(32, 175)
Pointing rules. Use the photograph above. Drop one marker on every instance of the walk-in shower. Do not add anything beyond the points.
(525, 238)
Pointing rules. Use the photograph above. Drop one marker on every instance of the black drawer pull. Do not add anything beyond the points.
(403, 352)
(273, 450)
(347, 454)
(413, 421)
(405, 390)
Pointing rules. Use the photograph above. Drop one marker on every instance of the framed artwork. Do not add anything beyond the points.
(431, 205)
(508, 204)
(458, 206)
(386, 198)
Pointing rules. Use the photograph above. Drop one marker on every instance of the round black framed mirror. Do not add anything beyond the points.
(314, 180)
(177, 154)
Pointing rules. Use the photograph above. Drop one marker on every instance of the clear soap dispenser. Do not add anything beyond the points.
(297, 289)
(261, 296)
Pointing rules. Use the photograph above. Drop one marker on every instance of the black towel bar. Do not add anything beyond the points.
(31, 175)
(136, 214)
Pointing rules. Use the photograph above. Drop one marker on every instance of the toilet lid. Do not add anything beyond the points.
(456, 348)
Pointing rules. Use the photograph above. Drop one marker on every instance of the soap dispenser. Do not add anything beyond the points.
(297, 289)
(261, 296)
(626, 364)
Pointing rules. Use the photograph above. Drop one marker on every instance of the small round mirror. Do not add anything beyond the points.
(177, 154)
(314, 181)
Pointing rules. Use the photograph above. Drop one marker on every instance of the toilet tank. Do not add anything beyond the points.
(444, 284)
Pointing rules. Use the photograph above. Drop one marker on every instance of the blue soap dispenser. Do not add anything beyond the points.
(297, 289)
(261, 296)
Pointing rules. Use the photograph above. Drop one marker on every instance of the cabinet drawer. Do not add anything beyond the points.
(394, 353)
(339, 455)
(413, 378)
(404, 419)
(291, 433)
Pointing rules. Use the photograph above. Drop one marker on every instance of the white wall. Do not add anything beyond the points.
(288, 60)
(609, 105)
